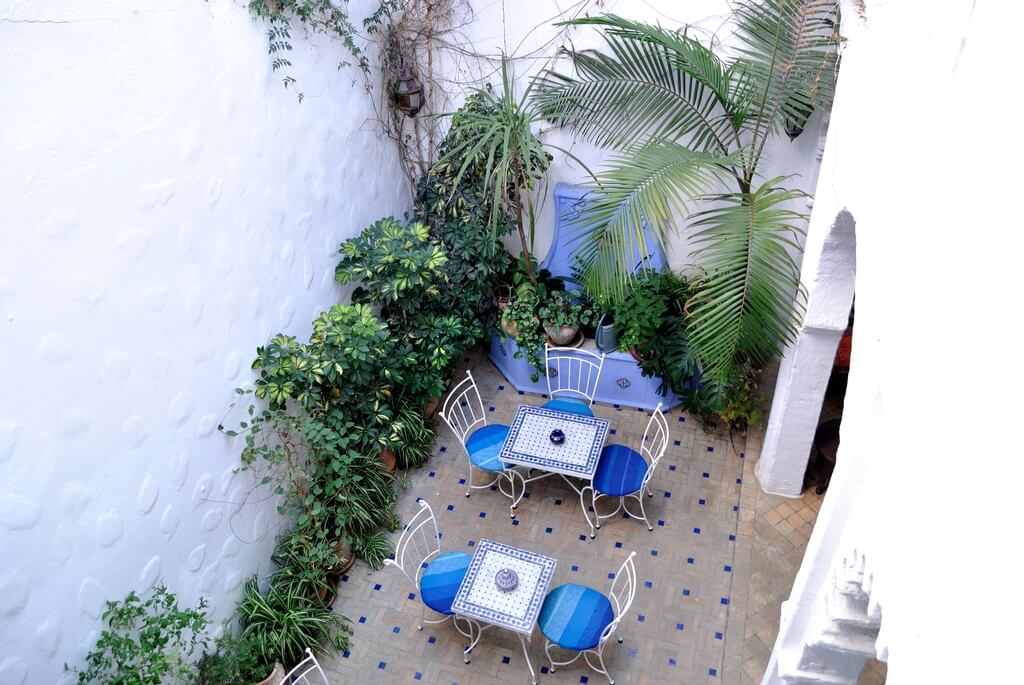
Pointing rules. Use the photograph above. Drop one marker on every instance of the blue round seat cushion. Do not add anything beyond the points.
(484, 446)
(441, 580)
(620, 471)
(574, 616)
(569, 405)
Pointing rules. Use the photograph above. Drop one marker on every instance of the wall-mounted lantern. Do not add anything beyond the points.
(409, 96)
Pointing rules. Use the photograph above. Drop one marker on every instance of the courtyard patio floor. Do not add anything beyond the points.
(711, 575)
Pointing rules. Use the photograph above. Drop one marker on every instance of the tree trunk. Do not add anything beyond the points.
(522, 233)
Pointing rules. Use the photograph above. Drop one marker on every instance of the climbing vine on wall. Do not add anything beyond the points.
(406, 33)
(322, 16)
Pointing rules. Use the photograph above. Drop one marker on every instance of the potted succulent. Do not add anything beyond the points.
(563, 313)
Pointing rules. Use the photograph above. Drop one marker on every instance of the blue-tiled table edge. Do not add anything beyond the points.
(529, 460)
(461, 607)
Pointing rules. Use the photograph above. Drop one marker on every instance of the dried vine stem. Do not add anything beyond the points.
(409, 34)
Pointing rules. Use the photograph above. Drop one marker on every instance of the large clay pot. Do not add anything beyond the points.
(328, 593)
(345, 555)
(510, 327)
(388, 459)
(275, 677)
(432, 404)
(561, 335)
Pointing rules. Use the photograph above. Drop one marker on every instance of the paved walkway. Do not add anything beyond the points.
(712, 575)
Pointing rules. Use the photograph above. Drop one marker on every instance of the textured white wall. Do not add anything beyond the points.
(927, 485)
(167, 205)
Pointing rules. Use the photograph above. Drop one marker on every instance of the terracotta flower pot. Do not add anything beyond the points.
(388, 458)
(275, 677)
(431, 408)
(344, 554)
(328, 593)
(510, 327)
(561, 335)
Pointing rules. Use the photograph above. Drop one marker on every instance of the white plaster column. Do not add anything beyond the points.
(827, 276)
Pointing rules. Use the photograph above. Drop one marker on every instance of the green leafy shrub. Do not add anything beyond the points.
(234, 661)
(146, 641)
(402, 270)
(641, 311)
(459, 211)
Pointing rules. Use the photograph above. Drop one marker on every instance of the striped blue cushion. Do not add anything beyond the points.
(568, 405)
(441, 580)
(573, 616)
(484, 445)
(620, 471)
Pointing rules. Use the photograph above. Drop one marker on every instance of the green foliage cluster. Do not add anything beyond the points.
(146, 641)
(401, 269)
(565, 308)
(453, 200)
(234, 661)
(328, 414)
(640, 312)
(493, 141)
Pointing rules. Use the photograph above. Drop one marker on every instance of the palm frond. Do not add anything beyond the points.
(648, 187)
(789, 48)
(653, 83)
(748, 302)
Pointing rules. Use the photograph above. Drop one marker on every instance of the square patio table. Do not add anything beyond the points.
(480, 600)
(529, 444)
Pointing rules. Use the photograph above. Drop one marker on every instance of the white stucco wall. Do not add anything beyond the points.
(166, 206)
(927, 481)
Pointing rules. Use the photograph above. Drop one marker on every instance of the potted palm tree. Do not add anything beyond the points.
(685, 120)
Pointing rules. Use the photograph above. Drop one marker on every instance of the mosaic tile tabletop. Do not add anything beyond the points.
(529, 442)
(517, 609)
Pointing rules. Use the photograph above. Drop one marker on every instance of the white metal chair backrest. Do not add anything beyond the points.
(572, 372)
(463, 411)
(654, 443)
(419, 543)
(307, 672)
(622, 593)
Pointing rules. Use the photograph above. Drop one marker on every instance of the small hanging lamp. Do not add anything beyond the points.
(409, 96)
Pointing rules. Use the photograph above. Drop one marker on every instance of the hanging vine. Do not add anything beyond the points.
(321, 16)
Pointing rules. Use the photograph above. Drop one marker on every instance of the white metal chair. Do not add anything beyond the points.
(581, 619)
(572, 378)
(624, 472)
(306, 672)
(463, 411)
(436, 575)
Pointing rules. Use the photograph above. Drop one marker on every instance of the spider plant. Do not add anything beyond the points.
(683, 120)
(373, 548)
(282, 623)
(494, 140)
